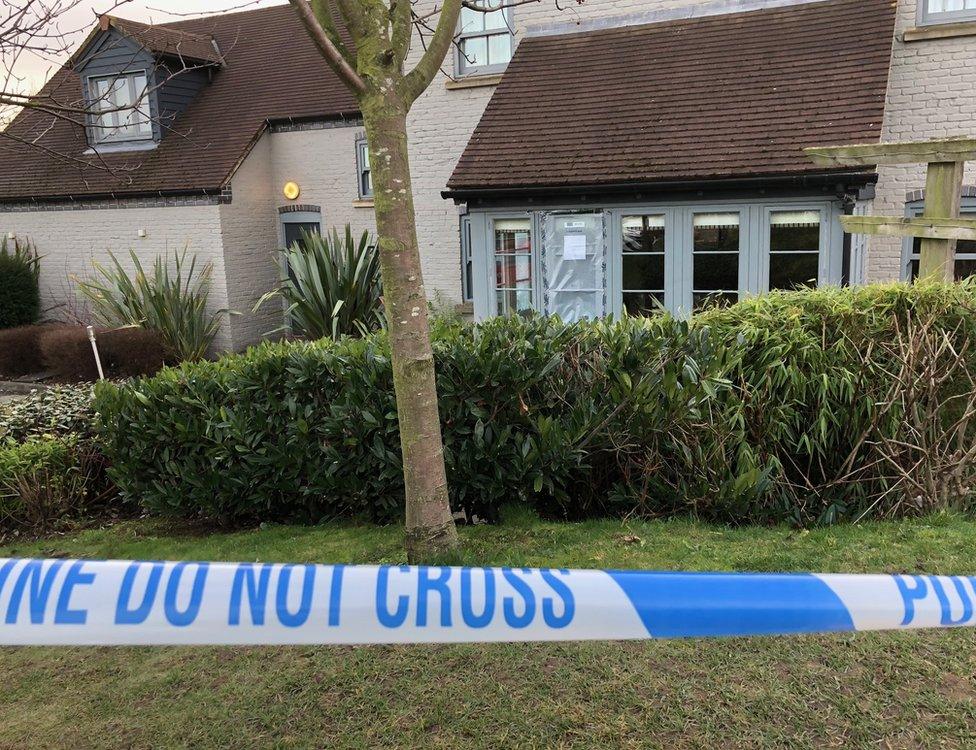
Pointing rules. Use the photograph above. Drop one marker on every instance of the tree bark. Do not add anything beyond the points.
(430, 529)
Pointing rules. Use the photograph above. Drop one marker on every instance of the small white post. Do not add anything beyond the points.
(98, 360)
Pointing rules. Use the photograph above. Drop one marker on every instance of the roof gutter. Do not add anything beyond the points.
(815, 179)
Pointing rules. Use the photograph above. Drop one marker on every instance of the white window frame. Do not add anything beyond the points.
(464, 69)
(142, 104)
(928, 17)
(363, 168)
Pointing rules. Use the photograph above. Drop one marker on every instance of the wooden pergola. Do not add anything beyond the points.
(940, 225)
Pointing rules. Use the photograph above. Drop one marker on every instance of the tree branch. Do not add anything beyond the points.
(401, 18)
(325, 14)
(333, 56)
(418, 79)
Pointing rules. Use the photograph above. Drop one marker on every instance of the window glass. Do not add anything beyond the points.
(120, 108)
(716, 259)
(513, 266)
(947, 10)
(794, 249)
(485, 43)
(365, 175)
(467, 263)
(965, 263)
(295, 232)
(474, 52)
(643, 264)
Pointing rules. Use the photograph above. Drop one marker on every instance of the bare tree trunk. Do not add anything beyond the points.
(430, 526)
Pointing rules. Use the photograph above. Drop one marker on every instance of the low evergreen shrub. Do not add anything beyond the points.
(63, 412)
(781, 408)
(20, 300)
(47, 482)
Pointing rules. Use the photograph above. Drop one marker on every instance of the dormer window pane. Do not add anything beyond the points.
(120, 106)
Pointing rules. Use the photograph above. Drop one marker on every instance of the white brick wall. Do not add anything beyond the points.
(69, 241)
(323, 163)
(249, 236)
(931, 94)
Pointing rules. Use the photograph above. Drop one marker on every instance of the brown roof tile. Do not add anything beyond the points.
(166, 41)
(272, 72)
(726, 96)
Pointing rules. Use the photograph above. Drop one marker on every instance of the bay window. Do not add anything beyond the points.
(640, 259)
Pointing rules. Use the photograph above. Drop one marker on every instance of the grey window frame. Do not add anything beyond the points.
(754, 235)
(297, 217)
(464, 70)
(93, 128)
(535, 260)
(925, 17)
(914, 209)
(363, 167)
(467, 261)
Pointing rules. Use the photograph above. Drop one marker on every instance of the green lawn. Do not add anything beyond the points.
(896, 690)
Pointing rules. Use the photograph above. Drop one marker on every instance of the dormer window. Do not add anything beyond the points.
(120, 108)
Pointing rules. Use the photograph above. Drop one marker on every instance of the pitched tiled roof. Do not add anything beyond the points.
(166, 41)
(718, 97)
(272, 72)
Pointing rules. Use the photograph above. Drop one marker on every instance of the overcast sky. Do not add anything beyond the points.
(80, 19)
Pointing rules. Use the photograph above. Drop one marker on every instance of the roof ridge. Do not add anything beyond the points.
(691, 12)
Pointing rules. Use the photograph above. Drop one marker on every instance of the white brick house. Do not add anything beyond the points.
(238, 129)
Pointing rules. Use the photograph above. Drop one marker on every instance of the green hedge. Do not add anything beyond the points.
(747, 414)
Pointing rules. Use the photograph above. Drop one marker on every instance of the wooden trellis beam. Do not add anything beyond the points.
(940, 227)
(872, 154)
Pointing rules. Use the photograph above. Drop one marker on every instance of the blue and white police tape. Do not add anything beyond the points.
(85, 602)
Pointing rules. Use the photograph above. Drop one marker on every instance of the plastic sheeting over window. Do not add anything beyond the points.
(574, 264)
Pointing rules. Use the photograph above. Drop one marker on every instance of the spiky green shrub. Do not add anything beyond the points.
(20, 301)
(332, 285)
(171, 299)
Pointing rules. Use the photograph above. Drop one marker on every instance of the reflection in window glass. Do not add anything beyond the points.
(948, 10)
(121, 108)
(513, 266)
(715, 259)
(794, 249)
(485, 43)
(643, 264)
(965, 266)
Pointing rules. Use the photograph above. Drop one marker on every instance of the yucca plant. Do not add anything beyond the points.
(171, 300)
(23, 252)
(331, 285)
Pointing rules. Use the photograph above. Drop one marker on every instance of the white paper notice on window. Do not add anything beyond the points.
(574, 247)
